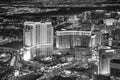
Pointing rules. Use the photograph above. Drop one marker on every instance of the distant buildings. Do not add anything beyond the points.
(109, 22)
(73, 19)
(115, 34)
(86, 16)
(105, 39)
(86, 27)
(38, 38)
(70, 39)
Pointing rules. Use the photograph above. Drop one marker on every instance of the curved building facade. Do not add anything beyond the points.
(36, 33)
(38, 39)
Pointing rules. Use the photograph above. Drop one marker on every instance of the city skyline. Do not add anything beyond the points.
(60, 40)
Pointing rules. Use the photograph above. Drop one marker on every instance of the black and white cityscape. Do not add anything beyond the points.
(59, 39)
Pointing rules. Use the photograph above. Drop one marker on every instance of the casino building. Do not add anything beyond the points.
(38, 39)
(105, 55)
(109, 61)
(70, 39)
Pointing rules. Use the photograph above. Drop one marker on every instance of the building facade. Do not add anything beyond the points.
(70, 39)
(37, 33)
(115, 67)
(38, 37)
(105, 55)
(81, 52)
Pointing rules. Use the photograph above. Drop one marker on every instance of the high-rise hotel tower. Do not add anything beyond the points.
(38, 38)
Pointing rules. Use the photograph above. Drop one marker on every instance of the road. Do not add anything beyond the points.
(57, 70)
